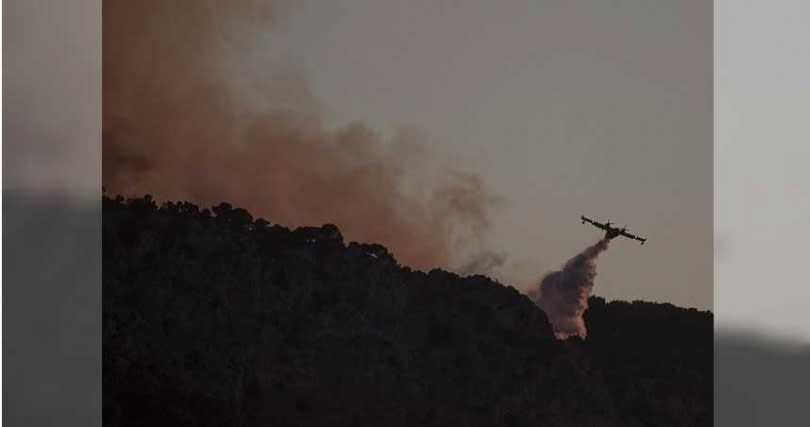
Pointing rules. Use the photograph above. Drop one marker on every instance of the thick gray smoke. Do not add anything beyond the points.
(563, 294)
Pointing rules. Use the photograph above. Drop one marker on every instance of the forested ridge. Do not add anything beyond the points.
(212, 318)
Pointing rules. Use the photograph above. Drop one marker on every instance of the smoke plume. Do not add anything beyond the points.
(484, 263)
(563, 295)
(190, 113)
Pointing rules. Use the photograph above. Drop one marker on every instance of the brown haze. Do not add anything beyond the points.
(174, 126)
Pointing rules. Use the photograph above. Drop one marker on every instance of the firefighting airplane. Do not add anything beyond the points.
(613, 232)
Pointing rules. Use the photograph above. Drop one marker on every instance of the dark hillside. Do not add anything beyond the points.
(656, 358)
(214, 318)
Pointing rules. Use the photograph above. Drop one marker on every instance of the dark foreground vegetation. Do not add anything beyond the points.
(212, 318)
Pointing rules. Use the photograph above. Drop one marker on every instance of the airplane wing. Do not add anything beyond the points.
(641, 239)
(586, 219)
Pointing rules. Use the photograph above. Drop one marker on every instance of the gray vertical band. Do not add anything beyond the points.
(51, 213)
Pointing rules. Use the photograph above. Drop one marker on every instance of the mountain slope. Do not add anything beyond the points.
(214, 318)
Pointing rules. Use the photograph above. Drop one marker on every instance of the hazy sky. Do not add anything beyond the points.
(602, 108)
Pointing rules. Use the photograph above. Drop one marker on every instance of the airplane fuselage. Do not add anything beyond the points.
(611, 233)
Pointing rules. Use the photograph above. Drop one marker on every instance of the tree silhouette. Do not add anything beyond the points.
(213, 318)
